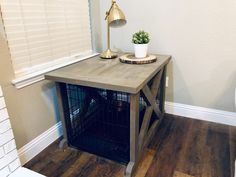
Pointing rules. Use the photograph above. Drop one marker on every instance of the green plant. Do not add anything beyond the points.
(141, 37)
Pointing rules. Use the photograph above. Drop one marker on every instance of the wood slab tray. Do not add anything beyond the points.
(131, 59)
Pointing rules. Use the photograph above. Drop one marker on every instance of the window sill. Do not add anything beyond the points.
(34, 77)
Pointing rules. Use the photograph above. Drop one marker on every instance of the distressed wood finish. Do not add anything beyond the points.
(181, 147)
(109, 74)
(134, 132)
(62, 104)
(132, 79)
(152, 106)
(163, 90)
(144, 127)
(140, 139)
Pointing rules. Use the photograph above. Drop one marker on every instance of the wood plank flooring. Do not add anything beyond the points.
(181, 148)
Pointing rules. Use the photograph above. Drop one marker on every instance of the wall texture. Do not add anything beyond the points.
(201, 37)
(32, 109)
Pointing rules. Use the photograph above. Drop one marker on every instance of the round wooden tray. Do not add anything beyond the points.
(131, 59)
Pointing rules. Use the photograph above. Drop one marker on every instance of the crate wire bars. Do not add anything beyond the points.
(97, 121)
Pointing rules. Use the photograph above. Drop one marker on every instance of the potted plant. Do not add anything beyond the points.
(141, 40)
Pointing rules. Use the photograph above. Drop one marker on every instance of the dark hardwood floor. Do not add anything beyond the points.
(181, 148)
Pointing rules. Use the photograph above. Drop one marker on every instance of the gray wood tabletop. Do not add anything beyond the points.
(109, 74)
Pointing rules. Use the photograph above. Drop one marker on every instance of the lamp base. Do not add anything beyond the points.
(108, 54)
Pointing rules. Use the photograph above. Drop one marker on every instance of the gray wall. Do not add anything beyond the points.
(200, 35)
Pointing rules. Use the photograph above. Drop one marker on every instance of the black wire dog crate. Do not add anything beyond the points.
(97, 121)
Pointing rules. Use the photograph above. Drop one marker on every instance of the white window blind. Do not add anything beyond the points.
(43, 33)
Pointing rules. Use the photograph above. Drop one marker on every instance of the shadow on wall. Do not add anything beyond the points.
(222, 97)
(225, 99)
(95, 25)
(176, 91)
(49, 93)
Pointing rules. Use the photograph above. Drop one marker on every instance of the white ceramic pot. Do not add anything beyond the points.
(140, 50)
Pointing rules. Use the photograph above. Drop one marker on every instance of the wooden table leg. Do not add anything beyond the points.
(163, 91)
(139, 140)
(134, 133)
(62, 104)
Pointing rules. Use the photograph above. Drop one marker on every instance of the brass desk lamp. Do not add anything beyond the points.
(115, 18)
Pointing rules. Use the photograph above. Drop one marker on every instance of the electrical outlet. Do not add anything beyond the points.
(167, 81)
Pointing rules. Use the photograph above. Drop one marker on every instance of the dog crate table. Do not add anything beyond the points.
(122, 103)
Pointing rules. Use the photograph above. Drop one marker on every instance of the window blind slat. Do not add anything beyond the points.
(42, 31)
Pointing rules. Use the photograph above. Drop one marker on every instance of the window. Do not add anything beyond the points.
(45, 33)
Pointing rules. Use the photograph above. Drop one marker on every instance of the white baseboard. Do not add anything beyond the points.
(200, 113)
(235, 169)
(34, 147)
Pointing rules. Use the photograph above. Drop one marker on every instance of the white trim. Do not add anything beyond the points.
(21, 83)
(33, 148)
(1, 94)
(24, 172)
(235, 169)
(33, 77)
(200, 113)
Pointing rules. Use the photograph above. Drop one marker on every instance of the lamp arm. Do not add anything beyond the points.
(108, 26)
(108, 35)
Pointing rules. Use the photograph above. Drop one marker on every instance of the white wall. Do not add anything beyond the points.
(9, 160)
(199, 34)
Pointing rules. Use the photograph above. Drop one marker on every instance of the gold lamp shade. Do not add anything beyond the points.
(115, 18)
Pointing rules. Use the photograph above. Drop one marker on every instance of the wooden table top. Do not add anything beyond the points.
(109, 74)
